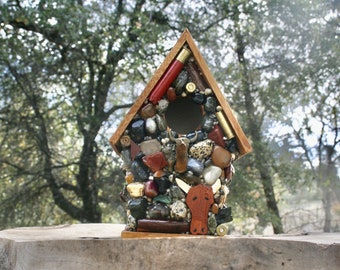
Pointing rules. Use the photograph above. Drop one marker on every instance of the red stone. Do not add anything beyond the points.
(134, 149)
(156, 161)
(216, 134)
(171, 94)
(151, 189)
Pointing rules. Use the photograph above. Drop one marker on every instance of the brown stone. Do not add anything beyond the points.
(221, 157)
(149, 110)
(171, 94)
(214, 208)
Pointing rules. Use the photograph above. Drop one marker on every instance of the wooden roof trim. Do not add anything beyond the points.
(242, 140)
(185, 38)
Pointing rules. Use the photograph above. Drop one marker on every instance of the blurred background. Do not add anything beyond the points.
(69, 71)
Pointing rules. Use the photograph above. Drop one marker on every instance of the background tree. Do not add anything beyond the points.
(63, 64)
(69, 68)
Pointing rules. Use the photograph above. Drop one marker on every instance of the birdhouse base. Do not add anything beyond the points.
(134, 235)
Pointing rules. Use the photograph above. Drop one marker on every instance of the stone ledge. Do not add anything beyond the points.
(99, 246)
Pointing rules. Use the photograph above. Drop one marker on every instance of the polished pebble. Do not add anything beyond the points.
(150, 126)
(148, 110)
(138, 130)
(195, 166)
(155, 161)
(178, 210)
(221, 157)
(158, 211)
(211, 174)
(135, 189)
(201, 150)
(150, 146)
(150, 189)
(138, 207)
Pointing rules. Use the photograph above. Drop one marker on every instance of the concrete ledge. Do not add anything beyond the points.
(99, 246)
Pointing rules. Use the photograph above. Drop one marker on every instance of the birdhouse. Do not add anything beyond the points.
(178, 143)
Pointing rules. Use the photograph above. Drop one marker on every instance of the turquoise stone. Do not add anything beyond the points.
(162, 198)
(138, 130)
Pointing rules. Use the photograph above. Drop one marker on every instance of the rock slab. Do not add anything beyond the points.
(100, 246)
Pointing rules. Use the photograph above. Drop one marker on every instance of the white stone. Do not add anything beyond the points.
(211, 174)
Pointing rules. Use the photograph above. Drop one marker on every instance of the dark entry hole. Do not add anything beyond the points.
(183, 115)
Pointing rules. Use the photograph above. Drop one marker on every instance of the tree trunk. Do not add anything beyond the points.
(254, 123)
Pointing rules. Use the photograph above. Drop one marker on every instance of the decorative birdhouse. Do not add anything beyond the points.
(178, 143)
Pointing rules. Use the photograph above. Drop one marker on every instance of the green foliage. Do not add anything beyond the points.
(69, 69)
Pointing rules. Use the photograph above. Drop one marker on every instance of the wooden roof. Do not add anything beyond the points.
(185, 39)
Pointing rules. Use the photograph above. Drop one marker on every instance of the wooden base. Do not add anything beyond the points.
(129, 235)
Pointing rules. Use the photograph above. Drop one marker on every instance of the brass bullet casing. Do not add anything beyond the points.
(125, 141)
(225, 125)
(190, 87)
(222, 229)
(183, 55)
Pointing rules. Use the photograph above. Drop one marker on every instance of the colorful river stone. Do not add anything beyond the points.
(138, 130)
(211, 174)
(155, 161)
(221, 157)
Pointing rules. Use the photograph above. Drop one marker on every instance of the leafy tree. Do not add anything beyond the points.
(315, 135)
(63, 66)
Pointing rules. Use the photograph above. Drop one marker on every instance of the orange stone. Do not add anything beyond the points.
(129, 177)
(221, 157)
(214, 208)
